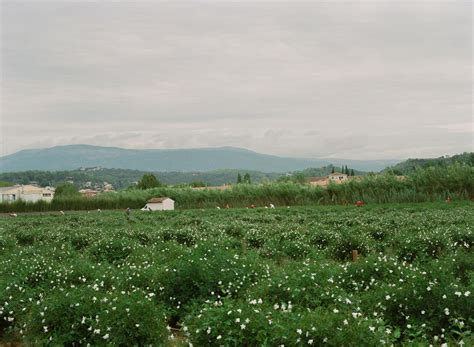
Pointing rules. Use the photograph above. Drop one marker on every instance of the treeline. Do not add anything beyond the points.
(411, 165)
(431, 184)
(123, 178)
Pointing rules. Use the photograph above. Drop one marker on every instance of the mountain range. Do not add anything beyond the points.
(72, 157)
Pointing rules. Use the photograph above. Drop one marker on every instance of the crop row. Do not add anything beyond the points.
(240, 277)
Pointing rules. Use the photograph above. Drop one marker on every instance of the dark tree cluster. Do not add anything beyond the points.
(246, 179)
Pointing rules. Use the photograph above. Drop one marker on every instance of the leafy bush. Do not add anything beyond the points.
(244, 324)
(84, 315)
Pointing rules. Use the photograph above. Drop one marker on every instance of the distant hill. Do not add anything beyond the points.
(408, 166)
(72, 157)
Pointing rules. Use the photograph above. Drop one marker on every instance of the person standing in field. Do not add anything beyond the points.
(127, 213)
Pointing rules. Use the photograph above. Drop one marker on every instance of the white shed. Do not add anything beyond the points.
(159, 204)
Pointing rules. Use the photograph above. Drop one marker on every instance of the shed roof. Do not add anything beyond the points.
(22, 189)
(157, 200)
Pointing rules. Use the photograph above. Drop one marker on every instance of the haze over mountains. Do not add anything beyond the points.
(71, 157)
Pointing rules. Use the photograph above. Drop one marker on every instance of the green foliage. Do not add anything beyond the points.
(326, 170)
(246, 178)
(431, 184)
(299, 178)
(412, 165)
(239, 178)
(240, 324)
(122, 178)
(84, 315)
(240, 277)
(197, 184)
(66, 190)
(148, 181)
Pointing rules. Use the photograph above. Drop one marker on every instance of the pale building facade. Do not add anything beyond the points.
(337, 177)
(28, 193)
(319, 181)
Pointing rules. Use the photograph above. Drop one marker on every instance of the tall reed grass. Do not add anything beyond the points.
(431, 184)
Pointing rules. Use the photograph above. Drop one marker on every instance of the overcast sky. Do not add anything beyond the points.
(359, 80)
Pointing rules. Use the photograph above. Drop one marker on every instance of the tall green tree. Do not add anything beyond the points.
(148, 181)
(247, 178)
(299, 177)
(332, 170)
(239, 178)
(346, 170)
(352, 172)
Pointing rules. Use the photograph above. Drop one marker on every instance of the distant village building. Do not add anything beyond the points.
(29, 193)
(223, 187)
(319, 181)
(337, 177)
(159, 204)
(94, 168)
(89, 193)
(108, 187)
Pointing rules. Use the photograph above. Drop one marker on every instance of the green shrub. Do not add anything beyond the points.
(84, 315)
(244, 324)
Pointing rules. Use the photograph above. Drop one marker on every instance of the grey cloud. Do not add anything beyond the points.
(292, 78)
